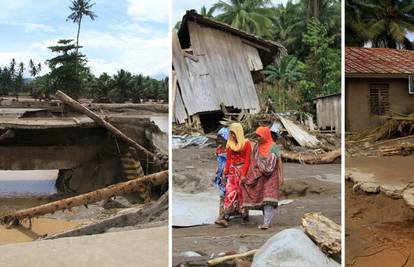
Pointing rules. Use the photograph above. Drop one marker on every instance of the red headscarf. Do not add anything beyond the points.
(264, 147)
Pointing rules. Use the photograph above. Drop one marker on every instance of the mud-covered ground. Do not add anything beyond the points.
(312, 187)
(379, 230)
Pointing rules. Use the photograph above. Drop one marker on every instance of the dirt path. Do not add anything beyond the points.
(379, 230)
(313, 188)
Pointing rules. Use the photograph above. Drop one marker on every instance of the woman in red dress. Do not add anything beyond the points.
(237, 165)
(260, 189)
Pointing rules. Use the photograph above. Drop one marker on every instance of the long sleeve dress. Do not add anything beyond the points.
(237, 166)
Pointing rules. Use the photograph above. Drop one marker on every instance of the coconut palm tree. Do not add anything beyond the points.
(252, 16)
(207, 12)
(386, 23)
(80, 8)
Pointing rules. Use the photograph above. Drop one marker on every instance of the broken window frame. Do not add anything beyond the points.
(379, 98)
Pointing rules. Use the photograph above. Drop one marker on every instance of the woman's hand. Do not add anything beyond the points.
(281, 180)
(242, 179)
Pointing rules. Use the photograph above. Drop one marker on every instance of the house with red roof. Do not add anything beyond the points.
(378, 83)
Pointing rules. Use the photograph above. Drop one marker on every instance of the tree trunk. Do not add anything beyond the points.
(88, 198)
(77, 36)
(324, 232)
(77, 106)
(325, 158)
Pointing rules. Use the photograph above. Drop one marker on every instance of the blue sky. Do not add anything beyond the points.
(180, 6)
(129, 34)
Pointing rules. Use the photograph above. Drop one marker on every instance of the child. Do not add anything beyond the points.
(221, 156)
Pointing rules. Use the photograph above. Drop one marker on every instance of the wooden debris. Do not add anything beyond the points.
(219, 260)
(403, 149)
(87, 198)
(326, 158)
(301, 136)
(324, 232)
(77, 106)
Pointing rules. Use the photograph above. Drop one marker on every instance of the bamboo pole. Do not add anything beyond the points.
(87, 198)
(77, 106)
(219, 260)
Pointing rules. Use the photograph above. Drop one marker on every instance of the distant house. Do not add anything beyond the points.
(328, 112)
(377, 84)
(216, 68)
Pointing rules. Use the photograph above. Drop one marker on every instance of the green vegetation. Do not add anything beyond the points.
(310, 30)
(379, 23)
(69, 72)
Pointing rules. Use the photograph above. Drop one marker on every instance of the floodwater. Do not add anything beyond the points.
(24, 189)
(395, 170)
(18, 184)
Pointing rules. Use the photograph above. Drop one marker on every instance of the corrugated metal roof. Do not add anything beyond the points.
(360, 60)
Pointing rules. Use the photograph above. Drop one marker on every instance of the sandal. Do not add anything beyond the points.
(263, 226)
(223, 223)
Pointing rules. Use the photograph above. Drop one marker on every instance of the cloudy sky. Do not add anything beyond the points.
(129, 34)
(180, 6)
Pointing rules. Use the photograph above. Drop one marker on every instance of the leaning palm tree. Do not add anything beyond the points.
(252, 16)
(79, 9)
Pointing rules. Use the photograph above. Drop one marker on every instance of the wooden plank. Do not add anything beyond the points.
(77, 106)
(301, 136)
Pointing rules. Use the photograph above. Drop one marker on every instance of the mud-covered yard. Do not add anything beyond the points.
(312, 187)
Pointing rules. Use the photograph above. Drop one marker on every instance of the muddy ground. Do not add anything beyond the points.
(313, 187)
(379, 230)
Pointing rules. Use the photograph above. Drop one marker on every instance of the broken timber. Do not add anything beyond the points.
(87, 198)
(77, 106)
(219, 260)
(326, 158)
(324, 232)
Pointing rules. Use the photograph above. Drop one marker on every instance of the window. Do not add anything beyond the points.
(379, 99)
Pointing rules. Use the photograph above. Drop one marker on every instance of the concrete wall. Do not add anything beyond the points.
(357, 109)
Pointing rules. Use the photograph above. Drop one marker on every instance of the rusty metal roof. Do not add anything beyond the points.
(360, 60)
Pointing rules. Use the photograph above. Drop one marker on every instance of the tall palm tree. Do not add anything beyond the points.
(288, 26)
(252, 16)
(79, 9)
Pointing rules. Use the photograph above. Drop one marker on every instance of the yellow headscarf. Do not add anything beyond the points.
(237, 129)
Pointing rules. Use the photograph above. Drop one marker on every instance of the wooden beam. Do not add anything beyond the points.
(219, 260)
(87, 198)
(77, 106)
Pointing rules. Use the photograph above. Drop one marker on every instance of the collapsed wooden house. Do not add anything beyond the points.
(216, 68)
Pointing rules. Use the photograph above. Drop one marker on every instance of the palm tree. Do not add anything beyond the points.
(79, 9)
(288, 26)
(252, 16)
(284, 75)
(34, 69)
(386, 22)
(207, 12)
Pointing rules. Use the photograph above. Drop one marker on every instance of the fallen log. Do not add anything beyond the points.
(324, 232)
(219, 260)
(87, 198)
(325, 158)
(77, 106)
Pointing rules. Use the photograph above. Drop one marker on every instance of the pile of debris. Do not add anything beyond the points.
(298, 137)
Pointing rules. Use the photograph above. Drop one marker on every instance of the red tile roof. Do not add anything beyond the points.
(360, 60)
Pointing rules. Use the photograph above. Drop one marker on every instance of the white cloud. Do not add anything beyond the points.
(151, 10)
(30, 27)
(23, 56)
